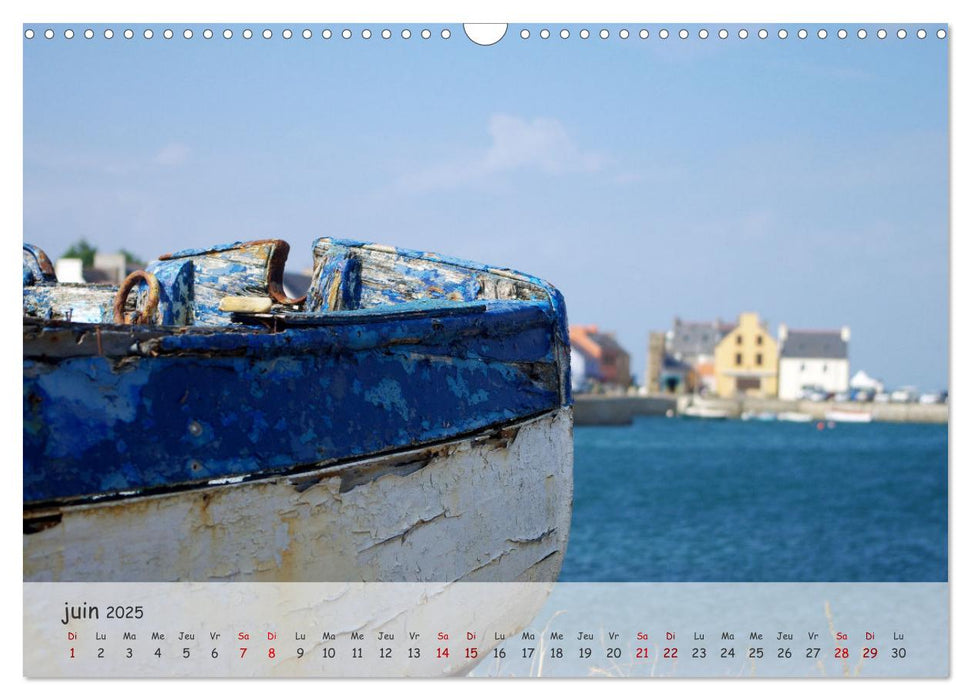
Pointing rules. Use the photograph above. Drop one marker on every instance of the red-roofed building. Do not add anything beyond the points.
(605, 362)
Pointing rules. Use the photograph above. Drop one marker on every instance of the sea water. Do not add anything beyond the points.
(673, 499)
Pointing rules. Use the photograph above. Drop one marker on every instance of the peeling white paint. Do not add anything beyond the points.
(485, 508)
(225, 480)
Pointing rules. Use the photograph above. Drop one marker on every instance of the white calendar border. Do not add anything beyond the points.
(890, 11)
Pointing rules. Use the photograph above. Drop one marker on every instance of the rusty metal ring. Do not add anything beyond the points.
(121, 297)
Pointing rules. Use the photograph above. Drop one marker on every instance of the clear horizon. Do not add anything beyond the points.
(806, 180)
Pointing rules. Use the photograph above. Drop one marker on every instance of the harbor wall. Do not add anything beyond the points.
(596, 409)
(881, 412)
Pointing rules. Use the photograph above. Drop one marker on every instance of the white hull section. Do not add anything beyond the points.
(706, 413)
(492, 507)
(849, 417)
(795, 417)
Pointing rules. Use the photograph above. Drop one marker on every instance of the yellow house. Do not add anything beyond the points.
(747, 360)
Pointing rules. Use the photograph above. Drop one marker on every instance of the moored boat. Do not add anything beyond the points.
(795, 417)
(704, 412)
(410, 419)
(849, 416)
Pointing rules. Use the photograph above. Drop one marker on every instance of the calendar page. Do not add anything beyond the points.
(430, 349)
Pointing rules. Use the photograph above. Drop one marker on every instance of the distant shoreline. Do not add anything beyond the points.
(604, 409)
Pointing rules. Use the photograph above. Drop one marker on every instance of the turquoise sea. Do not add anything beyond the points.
(672, 499)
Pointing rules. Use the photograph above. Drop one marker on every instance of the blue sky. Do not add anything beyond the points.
(803, 179)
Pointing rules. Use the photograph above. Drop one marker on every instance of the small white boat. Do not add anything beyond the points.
(704, 412)
(795, 417)
(849, 416)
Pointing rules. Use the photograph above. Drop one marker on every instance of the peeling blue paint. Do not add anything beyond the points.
(236, 269)
(387, 394)
(70, 302)
(336, 282)
(176, 292)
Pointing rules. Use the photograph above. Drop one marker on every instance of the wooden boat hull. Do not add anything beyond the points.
(409, 420)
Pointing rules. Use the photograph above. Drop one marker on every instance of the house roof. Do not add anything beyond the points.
(607, 343)
(815, 344)
(581, 340)
(592, 342)
(691, 338)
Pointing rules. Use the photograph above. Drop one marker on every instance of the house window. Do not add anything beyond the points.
(738, 359)
(738, 340)
(758, 341)
(802, 367)
(824, 368)
(758, 358)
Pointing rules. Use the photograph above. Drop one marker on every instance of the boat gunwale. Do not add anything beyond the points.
(553, 294)
(450, 261)
(278, 329)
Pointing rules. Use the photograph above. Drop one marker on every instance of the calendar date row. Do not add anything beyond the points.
(503, 652)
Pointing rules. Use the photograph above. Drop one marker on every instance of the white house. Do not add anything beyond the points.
(813, 359)
(69, 270)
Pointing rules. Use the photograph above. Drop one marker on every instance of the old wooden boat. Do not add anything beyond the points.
(409, 419)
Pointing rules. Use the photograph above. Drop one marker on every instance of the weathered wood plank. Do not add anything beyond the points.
(81, 303)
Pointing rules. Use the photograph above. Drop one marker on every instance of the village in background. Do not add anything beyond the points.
(717, 369)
